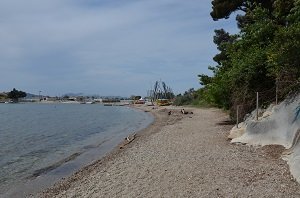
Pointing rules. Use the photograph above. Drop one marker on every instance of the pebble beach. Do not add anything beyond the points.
(182, 155)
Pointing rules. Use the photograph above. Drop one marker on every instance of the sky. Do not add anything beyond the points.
(105, 47)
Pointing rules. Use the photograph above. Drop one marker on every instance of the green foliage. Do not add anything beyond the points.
(192, 98)
(15, 95)
(185, 99)
(224, 8)
(266, 51)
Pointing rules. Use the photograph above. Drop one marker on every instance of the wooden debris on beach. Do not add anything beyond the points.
(186, 112)
(128, 140)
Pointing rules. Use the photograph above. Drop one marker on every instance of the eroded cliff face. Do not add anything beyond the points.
(277, 125)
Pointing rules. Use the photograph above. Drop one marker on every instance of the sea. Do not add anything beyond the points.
(42, 143)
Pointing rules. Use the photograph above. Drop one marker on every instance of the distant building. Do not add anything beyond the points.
(52, 99)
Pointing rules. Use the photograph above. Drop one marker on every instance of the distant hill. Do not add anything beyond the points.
(92, 95)
(74, 94)
(29, 95)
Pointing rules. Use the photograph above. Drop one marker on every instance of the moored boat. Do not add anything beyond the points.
(163, 102)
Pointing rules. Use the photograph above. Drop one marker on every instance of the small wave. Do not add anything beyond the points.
(47, 169)
(35, 153)
(12, 161)
(92, 146)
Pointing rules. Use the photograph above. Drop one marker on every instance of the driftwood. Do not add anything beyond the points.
(186, 112)
(128, 140)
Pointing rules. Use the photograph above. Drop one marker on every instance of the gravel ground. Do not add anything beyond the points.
(183, 156)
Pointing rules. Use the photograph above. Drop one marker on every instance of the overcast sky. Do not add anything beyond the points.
(105, 47)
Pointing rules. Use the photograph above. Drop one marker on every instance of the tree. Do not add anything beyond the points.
(185, 99)
(222, 9)
(15, 95)
(161, 91)
(264, 52)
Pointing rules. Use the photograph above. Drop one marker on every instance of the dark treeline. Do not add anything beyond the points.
(263, 57)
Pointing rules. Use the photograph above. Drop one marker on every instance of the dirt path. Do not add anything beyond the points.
(190, 157)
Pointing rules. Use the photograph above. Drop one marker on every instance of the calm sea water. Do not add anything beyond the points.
(44, 142)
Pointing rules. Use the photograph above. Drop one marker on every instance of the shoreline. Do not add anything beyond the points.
(158, 122)
(182, 156)
(47, 176)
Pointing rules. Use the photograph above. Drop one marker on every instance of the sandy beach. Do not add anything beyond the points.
(183, 155)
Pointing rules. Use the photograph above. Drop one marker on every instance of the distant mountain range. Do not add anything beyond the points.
(29, 95)
(74, 94)
(90, 95)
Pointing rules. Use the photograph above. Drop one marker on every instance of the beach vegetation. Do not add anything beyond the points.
(191, 97)
(264, 56)
(186, 98)
(15, 94)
